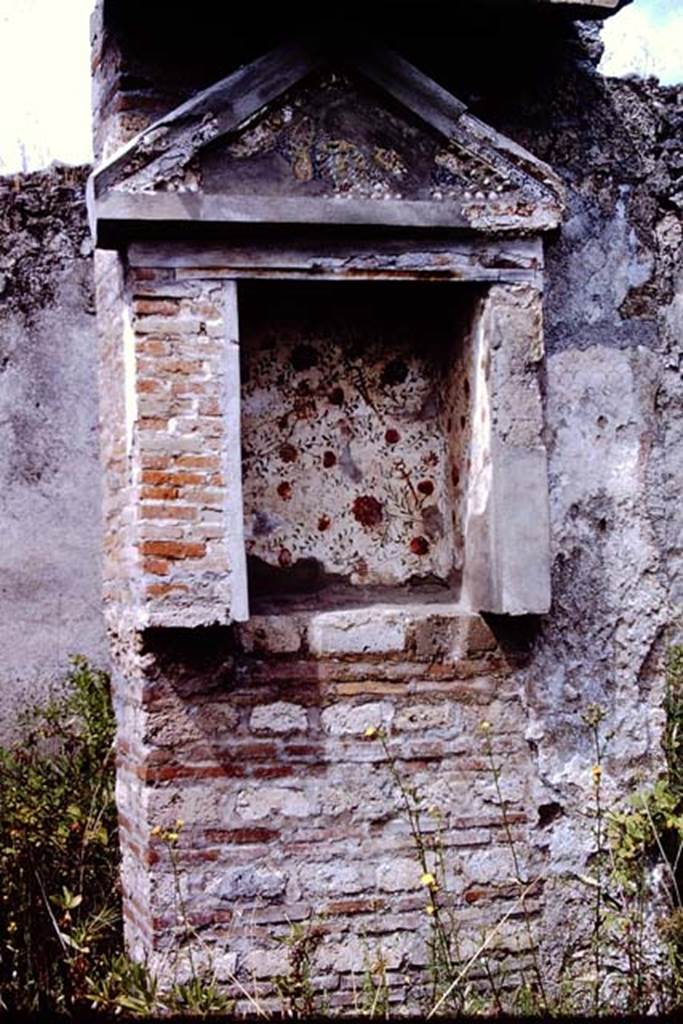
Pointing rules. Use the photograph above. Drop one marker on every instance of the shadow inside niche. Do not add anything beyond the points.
(515, 634)
(192, 661)
(305, 586)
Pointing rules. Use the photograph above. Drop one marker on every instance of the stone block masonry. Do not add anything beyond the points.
(290, 813)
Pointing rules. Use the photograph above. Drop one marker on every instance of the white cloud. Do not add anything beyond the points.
(645, 38)
(44, 82)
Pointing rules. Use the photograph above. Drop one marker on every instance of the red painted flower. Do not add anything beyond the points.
(285, 490)
(288, 452)
(367, 510)
(329, 460)
(419, 545)
(324, 523)
(304, 403)
(425, 487)
(392, 436)
(285, 557)
(336, 396)
(361, 567)
(455, 476)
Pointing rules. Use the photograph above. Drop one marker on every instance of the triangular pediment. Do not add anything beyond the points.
(307, 136)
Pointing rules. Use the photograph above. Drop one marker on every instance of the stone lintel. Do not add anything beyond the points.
(586, 8)
(118, 216)
(307, 257)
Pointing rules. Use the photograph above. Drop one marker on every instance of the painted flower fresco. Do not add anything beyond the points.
(367, 510)
(351, 418)
(332, 135)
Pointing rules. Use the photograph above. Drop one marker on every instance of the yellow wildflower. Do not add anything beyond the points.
(156, 831)
(428, 879)
(430, 908)
(370, 732)
(485, 726)
(596, 772)
(179, 824)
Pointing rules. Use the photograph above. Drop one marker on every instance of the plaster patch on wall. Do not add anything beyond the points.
(612, 263)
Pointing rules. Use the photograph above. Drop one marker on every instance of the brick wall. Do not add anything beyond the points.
(164, 369)
(253, 734)
(254, 737)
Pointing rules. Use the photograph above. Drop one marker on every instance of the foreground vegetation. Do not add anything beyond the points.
(60, 918)
(59, 862)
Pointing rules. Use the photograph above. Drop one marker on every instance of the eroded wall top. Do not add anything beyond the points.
(145, 64)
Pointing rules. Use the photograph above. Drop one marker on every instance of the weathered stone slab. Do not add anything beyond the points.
(455, 258)
(507, 533)
(375, 630)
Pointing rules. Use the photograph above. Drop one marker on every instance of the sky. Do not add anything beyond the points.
(45, 71)
(645, 38)
(44, 83)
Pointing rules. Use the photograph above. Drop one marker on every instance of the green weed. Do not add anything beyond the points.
(59, 861)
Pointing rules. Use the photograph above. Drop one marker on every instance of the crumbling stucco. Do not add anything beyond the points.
(50, 536)
(614, 343)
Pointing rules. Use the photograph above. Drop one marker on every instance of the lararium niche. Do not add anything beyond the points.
(374, 253)
(322, 432)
